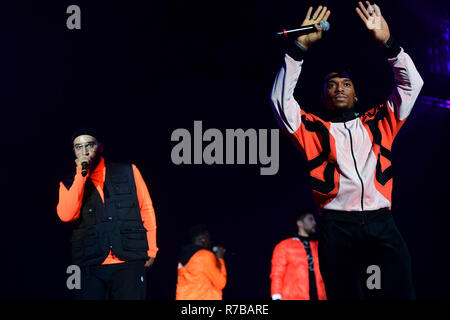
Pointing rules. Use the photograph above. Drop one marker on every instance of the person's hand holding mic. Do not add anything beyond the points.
(219, 251)
(321, 14)
(83, 162)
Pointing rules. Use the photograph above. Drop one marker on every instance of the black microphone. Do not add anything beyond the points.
(305, 29)
(215, 248)
(84, 168)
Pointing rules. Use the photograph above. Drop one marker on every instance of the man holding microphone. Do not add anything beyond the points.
(349, 159)
(114, 226)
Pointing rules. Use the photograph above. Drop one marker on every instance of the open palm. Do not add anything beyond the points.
(374, 21)
(321, 14)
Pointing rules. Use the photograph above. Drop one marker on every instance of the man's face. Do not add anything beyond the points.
(308, 224)
(339, 93)
(86, 147)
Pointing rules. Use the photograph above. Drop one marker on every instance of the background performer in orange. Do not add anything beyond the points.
(201, 273)
(295, 271)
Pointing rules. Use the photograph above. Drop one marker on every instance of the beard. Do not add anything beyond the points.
(311, 231)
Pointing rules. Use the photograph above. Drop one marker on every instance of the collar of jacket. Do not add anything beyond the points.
(343, 116)
(299, 237)
(312, 237)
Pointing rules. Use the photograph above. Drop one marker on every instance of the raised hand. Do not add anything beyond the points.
(321, 14)
(374, 21)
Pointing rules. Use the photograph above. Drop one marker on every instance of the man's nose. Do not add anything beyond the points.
(85, 151)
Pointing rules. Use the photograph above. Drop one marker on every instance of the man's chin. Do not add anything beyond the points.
(339, 108)
(342, 107)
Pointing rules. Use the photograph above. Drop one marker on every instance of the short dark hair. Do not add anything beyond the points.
(197, 231)
(301, 214)
(339, 72)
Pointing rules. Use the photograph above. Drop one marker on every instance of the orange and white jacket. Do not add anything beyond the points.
(290, 274)
(203, 277)
(349, 160)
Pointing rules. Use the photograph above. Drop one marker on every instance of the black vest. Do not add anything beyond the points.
(115, 225)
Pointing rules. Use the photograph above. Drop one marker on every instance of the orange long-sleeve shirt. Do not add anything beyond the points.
(70, 201)
(202, 278)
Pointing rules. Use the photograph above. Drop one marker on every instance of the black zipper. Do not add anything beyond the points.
(356, 168)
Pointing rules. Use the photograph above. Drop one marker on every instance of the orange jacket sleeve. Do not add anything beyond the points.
(278, 269)
(214, 269)
(70, 200)
(218, 275)
(147, 211)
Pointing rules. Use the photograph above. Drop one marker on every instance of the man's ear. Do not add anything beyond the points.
(300, 223)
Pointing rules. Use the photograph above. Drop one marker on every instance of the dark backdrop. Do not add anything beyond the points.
(138, 70)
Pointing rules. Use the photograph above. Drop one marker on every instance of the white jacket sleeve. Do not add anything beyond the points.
(286, 108)
(408, 84)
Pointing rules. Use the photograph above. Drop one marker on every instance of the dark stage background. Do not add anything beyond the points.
(138, 70)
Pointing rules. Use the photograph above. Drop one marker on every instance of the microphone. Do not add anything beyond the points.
(215, 248)
(305, 29)
(84, 168)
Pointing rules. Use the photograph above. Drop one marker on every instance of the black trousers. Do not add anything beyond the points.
(351, 242)
(121, 281)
